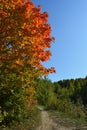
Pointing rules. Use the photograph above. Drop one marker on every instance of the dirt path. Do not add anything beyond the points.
(49, 124)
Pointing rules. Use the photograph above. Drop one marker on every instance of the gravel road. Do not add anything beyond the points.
(49, 124)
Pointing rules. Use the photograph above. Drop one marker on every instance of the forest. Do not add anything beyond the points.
(67, 96)
(25, 42)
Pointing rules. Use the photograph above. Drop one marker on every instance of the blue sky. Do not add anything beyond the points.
(68, 19)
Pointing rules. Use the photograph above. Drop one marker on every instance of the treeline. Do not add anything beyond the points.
(77, 89)
(68, 96)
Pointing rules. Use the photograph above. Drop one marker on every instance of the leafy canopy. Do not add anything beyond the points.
(25, 36)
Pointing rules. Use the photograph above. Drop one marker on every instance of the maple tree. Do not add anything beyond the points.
(25, 35)
(25, 41)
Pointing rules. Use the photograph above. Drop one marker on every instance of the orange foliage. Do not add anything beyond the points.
(25, 35)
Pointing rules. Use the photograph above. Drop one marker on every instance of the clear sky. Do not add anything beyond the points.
(68, 19)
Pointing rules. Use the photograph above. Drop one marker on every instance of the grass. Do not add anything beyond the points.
(67, 121)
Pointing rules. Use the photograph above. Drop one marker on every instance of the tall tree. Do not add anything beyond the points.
(25, 39)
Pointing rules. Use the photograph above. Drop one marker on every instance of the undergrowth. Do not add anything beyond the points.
(30, 121)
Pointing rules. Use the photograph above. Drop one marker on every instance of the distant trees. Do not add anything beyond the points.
(76, 87)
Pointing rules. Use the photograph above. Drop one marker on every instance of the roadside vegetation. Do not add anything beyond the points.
(30, 121)
(25, 41)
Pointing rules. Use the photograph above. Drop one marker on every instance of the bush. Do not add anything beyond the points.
(29, 121)
(51, 101)
(74, 110)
